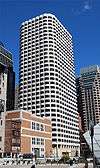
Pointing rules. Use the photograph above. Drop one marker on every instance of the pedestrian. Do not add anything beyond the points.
(33, 166)
(71, 162)
(86, 164)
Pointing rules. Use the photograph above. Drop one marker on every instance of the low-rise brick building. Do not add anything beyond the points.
(27, 133)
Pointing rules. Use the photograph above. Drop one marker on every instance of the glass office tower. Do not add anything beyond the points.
(89, 96)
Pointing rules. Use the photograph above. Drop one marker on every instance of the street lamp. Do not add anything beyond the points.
(92, 135)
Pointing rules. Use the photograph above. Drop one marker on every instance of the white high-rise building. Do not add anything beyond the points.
(47, 79)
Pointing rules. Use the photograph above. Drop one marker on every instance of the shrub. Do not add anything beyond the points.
(64, 159)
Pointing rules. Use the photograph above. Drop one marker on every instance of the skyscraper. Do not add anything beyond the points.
(89, 96)
(47, 79)
(7, 78)
(7, 85)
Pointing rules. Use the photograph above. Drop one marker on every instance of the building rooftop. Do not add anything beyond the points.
(46, 14)
(89, 69)
(28, 112)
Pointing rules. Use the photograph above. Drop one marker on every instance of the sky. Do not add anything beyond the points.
(80, 17)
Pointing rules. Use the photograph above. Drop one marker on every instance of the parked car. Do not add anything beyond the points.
(90, 160)
(40, 160)
(29, 157)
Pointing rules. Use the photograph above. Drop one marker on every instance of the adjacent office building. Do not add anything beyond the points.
(47, 79)
(7, 78)
(7, 83)
(96, 142)
(88, 85)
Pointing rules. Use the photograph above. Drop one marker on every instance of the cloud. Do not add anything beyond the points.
(86, 6)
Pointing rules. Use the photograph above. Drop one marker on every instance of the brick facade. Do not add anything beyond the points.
(27, 133)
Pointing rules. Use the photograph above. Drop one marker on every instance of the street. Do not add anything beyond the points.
(47, 166)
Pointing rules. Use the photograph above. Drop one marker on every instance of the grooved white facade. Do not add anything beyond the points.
(47, 79)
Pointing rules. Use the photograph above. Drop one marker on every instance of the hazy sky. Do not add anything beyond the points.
(80, 17)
